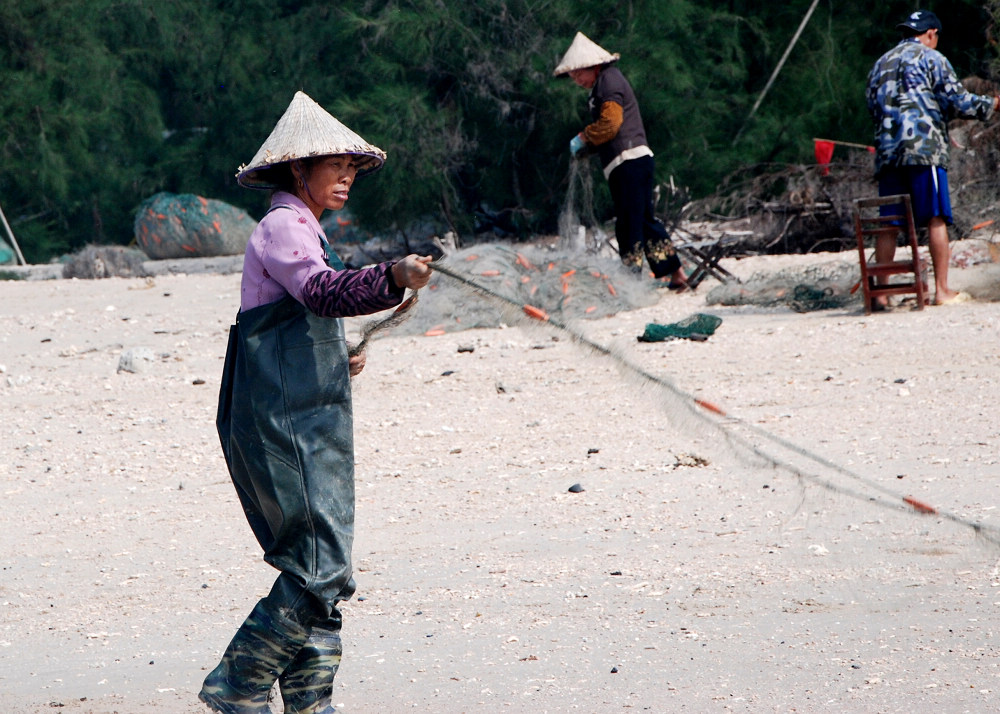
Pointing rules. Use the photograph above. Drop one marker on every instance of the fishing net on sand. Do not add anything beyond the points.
(488, 285)
(518, 279)
(567, 285)
(820, 286)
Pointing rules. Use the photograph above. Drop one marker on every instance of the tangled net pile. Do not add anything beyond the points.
(816, 287)
(567, 286)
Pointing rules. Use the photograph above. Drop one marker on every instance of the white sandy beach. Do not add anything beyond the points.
(682, 578)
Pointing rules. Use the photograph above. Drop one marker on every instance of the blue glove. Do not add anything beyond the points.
(576, 145)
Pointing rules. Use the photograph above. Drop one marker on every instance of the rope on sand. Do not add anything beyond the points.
(727, 424)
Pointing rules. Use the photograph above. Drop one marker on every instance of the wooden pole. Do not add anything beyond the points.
(774, 74)
(10, 234)
(847, 143)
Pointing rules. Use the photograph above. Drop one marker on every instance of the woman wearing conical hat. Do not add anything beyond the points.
(618, 137)
(285, 416)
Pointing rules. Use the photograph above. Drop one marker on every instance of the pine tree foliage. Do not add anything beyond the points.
(106, 102)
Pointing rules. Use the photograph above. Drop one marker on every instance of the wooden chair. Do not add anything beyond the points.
(869, 228)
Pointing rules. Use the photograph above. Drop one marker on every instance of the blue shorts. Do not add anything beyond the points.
(928, 189)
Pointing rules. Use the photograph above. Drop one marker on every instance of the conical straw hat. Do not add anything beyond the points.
(307, 129)
(583, 53)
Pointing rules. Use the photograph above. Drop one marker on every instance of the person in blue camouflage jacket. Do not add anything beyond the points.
(912, 94)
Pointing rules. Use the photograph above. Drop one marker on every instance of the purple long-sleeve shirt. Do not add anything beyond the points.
(285, 256)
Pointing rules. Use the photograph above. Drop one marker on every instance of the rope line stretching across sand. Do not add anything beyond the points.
(727, 424)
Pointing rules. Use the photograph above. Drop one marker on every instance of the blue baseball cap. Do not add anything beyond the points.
(920, 22)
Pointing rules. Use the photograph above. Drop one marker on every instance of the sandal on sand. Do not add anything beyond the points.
(955, 300)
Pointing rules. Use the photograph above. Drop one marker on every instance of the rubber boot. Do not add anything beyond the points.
(307, 683)
(260, 651)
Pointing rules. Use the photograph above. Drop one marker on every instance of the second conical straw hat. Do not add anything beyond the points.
(584, 52)
(307, 129)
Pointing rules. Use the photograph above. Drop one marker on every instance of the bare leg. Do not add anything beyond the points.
(885, 251)
(940, 258)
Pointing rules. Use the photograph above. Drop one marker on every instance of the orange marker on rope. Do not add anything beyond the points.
(406, 304)
(611, 289)
(709, 406)
(918, 506)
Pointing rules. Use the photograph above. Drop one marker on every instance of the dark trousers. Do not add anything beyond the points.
(636, 227)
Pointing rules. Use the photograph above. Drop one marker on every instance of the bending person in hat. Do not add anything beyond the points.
(618, 136)
(912, 94)
(285, 417)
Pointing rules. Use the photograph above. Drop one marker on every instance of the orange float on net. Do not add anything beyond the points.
(611, 289)
(590, 309)
(434, 333)
(536, 313)
(490, 273)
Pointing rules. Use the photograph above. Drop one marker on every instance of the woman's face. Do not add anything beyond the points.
(328, 182)
(586, 77)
